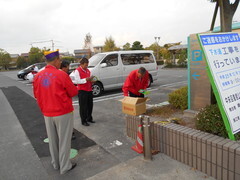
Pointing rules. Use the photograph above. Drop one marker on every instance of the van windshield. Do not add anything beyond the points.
(29, 67)
(94, 60)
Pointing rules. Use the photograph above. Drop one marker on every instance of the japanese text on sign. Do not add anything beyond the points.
(223, 58)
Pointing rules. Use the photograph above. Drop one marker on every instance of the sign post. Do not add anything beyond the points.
(222, 54)
(199, 88)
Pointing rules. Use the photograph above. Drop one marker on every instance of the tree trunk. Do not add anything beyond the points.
(214, 16)
(227, 11)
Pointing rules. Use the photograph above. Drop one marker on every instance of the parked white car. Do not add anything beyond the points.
(112, 68)
(30, 76)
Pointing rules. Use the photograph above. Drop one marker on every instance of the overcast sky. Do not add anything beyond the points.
(66, 22)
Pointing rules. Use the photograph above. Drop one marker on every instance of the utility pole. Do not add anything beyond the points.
(52, 45)
(157, 39)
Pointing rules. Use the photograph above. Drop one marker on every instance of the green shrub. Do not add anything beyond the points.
(209, 119)
(182, 63)
(178, 98)
(169, 65)
(160, 62)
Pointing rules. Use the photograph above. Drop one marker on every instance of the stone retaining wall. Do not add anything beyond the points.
(213, 155)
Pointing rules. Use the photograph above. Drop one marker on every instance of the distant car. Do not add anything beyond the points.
(73, 66)
(32, 74)
(23, 73)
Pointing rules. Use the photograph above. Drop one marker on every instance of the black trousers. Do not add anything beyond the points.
(85, 100)
(134, 95)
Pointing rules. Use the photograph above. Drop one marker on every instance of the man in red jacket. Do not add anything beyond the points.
(84, 81)
(136, 80)
(54, 90)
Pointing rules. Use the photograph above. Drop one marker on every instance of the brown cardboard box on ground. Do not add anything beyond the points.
(133, 106)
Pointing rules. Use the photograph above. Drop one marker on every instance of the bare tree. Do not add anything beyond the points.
(227, 11)
(88, 42)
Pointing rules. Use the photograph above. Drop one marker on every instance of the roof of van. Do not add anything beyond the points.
(126, 52)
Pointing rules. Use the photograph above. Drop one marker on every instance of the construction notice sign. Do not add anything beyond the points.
(222, 52)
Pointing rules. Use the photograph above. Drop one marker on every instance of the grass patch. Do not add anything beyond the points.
(170, 114)
(163, 111)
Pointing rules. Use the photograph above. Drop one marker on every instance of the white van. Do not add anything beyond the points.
(112, 68)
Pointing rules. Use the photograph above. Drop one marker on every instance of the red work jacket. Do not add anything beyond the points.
(54, 90)
(133, 83)
(83, 75)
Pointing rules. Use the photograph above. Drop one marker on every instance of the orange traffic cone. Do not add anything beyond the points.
(139, 142)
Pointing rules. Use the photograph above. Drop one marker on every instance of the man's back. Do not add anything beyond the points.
(54, 90)
(133, 83)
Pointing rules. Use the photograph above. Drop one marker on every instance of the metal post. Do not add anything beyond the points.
(147, 150)
(52, 45)
(141, 117)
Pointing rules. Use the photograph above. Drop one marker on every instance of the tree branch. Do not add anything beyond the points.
(214, 16)
(234, 5)
(228, 2)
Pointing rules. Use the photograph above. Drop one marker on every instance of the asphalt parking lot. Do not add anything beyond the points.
(106, 144)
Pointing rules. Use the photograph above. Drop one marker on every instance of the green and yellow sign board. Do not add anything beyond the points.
(222, 55)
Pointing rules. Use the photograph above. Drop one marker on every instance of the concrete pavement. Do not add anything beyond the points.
(17, 156)
(102, 161)
(161, 167)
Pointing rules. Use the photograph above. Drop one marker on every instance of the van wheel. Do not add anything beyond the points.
(149, 81)
(25, 77)
(97, 89)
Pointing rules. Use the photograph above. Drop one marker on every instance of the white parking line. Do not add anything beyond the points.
(120, 95)
(100, 99)
(24, 82)
(173, 84)
(111, 95)
(115, 97)
(108, 97)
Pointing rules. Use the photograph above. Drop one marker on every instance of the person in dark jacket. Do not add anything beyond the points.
(84, 81)
(65, 66)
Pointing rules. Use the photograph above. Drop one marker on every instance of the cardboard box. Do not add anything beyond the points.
(133, 106)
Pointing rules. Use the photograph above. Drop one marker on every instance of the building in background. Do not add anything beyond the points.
(14, 57)
(176, 51)
(13, 63)
(66, 54)
(25, 55)
(80, 53)
(97, 49)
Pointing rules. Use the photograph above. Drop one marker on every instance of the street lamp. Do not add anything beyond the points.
(157, 39)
